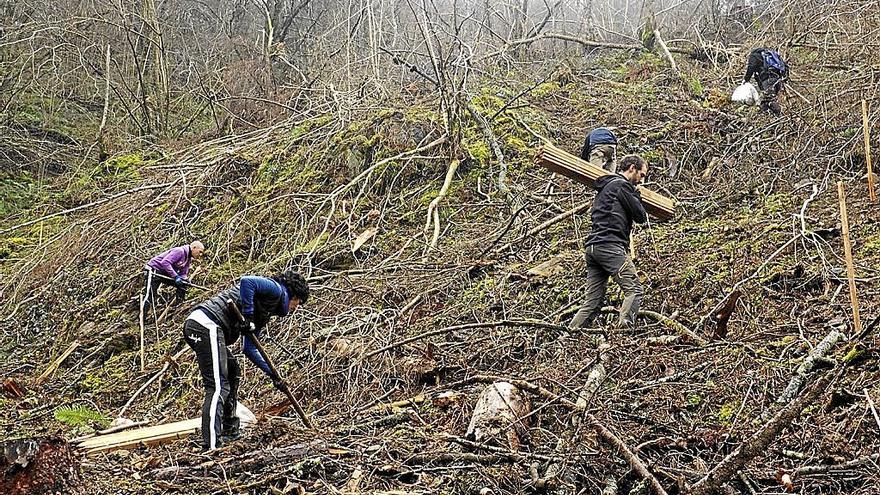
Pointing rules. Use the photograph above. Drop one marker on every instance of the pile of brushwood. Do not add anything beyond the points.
(443, 261)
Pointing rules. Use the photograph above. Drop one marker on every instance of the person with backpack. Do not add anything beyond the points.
(770, 71)
(214, 325)
(617, 205)
(599, 149)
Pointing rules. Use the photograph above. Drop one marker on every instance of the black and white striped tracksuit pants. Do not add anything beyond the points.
(151, 288)
(220, 376)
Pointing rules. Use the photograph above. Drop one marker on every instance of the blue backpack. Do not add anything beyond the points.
(773, 60)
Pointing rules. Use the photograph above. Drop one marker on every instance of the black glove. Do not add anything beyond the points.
(279, 384)
(181, 283)
(246, 326)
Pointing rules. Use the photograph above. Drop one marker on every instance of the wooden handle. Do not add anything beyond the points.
(280, 384)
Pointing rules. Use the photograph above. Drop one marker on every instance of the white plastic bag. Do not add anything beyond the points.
(746, 94)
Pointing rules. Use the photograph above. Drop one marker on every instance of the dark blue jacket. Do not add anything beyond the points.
(258, 298)
(599, 135)
(769, 79)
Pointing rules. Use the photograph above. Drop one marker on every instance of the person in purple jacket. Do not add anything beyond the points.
(172, 268)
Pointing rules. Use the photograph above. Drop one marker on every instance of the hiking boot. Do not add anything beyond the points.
(231, 430)
(230, 436)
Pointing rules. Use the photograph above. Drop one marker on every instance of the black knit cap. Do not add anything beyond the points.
(295, 283)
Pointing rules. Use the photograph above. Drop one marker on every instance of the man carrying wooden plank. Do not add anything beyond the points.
(170, 267)
(617, 205)
(599, 149)
(214, 325)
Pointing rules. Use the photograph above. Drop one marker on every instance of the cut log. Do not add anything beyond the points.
(501, 410)
(564, 163)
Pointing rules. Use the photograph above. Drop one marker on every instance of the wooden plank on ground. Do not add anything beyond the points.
(143, 442)
(153, 435)
(150, 435)
(564, 163)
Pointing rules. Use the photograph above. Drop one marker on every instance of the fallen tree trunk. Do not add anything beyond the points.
(844, 466)
(758, 442)
(594, 380)
(806, 367)
(279, 456)
(605, 433)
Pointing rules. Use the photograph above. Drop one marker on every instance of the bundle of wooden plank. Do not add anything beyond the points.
(564, 163)
(140, 437)
(151, 435)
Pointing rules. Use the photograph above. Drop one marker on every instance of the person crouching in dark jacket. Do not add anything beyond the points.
(600, 148)
(770, 71)
(617, 205)
(213, 326)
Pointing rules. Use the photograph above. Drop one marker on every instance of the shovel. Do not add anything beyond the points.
(277, 381)
(184, 282)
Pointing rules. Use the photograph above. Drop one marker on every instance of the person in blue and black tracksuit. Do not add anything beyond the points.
(213, 325)
(599, 149)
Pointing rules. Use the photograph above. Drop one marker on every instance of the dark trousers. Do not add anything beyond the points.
(602, 155)
(770, 85)
(151, 288)
(603, 261)
(220, 377)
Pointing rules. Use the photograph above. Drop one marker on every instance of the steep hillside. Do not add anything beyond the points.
(758, 214)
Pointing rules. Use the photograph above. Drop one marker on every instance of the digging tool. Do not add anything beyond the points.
(276, 378)
(184, 282)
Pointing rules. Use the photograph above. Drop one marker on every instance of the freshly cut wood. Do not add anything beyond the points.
(150, 435)
(564, 163)
(501, 411)
(154, 435)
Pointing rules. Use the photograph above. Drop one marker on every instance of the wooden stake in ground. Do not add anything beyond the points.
(850, 270)
(759, 441)
(141, 322)
(867, 131)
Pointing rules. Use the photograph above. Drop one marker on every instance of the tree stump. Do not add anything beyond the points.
(501, 412)
(37, 467)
